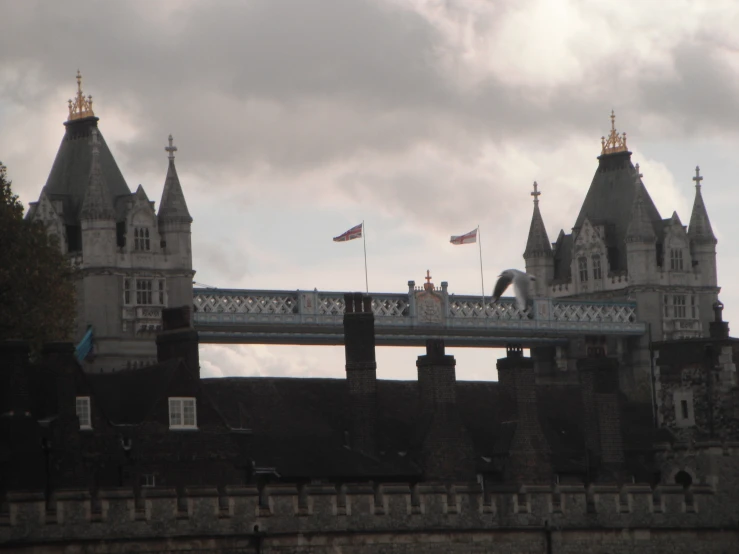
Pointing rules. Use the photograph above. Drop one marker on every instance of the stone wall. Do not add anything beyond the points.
(396, 518)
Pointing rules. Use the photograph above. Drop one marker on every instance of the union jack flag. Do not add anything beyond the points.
(467, 238)
(353, 233)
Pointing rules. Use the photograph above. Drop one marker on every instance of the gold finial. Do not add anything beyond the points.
(536, 194)
(428, 285)
(171, 148)
(80, 107)
(614, 142)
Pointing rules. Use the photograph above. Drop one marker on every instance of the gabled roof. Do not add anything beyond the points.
(70, 172)
(610, 199)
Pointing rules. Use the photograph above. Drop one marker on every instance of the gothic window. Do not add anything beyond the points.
(597, 273)
(143, 291)
(126, 291)
(83, 412)
(676, 259)
(182, 414)
(582, 266)
(141, 238)
(678, 306)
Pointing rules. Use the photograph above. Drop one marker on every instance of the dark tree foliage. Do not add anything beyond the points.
(37, 281)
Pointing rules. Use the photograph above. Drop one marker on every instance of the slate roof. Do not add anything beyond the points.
(70, 172)
(298, 424)
(610, 199)
(173, 206)
(700, 229)
(128, 396)
(538, 242)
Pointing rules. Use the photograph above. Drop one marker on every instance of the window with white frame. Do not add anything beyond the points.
(83, 412)
(141, 238)
(148, 480)
(679, 310)
(676, 259)
(582, 266)
(597, 272)
(182, 413)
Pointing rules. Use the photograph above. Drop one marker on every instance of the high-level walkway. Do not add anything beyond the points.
(403, 319)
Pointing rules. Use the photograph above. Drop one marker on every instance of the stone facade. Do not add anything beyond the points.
(133, 260)
(621, 248)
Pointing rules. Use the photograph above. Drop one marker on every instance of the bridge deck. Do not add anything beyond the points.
(406, 319)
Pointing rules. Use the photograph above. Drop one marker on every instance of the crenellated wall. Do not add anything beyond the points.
(360, 518)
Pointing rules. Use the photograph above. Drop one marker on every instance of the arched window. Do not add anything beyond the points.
(141, 238)
(597, 273)
(676, 259)
(582, 266)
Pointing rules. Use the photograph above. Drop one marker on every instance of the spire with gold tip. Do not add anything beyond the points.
(615, 142)
(81, 106)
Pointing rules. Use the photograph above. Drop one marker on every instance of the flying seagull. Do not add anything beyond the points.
(521, 284)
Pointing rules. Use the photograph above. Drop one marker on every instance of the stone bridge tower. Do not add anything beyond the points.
(133, 261)
(622, 249)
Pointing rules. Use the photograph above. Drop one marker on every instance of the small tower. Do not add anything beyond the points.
(641, 247)
(538, 254)
(702, 240)
(174, 224)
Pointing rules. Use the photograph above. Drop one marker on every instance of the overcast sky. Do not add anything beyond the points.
(296, 120)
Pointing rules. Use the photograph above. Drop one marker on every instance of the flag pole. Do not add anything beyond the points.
(364, 240)
(482, 282)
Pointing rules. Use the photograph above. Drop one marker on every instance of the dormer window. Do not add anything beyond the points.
(582, 266)
(141, 239)
(83, 412)
(597, 273)
(676, 259)
(182, 413)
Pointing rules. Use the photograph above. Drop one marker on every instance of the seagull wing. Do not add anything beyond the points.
(504, 279)
(521, 288)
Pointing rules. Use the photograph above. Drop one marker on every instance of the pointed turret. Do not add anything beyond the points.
(173, 207)
(641, 247)
(97, 203)
(538, 254)
(702, 240)
(700, 230)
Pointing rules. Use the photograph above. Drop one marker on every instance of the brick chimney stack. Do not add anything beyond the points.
(178, 339)
(529, 456)
(718, 328)
(447, 450)
(361, 372)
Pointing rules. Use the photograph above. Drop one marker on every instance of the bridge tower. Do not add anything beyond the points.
(133, 262)
(621, 249)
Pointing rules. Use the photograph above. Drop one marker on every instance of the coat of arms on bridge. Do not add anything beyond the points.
(429, 302)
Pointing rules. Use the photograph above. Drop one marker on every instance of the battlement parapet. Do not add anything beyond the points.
(285, 508)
